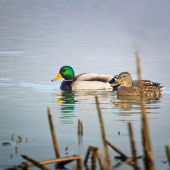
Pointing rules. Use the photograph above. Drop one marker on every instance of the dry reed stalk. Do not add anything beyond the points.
(93, 159)
(106, 151)
(87, 154)
(168, 153)
(37, 164)
(81, 125)
(99, 156)
(116, 149)
(79, 164)
(12, 137)
(133, 146)
(131, 159)
(148, 157)
(78, 127)
(53, 134)
(77, 158)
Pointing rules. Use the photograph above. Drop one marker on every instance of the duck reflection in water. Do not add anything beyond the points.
(131, 104)
(66, 101)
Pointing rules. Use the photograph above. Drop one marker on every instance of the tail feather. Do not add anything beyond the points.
(161, 88)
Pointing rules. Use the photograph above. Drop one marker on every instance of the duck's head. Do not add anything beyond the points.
(124, 78)
(65, 72)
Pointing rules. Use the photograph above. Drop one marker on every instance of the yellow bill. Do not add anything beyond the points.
(58, 77)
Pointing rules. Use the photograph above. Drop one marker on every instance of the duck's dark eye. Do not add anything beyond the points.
(123, 76)
(64, 70)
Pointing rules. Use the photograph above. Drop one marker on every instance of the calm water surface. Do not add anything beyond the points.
(37, 39)
(24, 102)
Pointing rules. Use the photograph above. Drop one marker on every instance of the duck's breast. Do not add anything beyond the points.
(127, 91)
(66, 85)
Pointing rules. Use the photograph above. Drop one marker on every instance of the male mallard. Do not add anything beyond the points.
(129, 87)
(83, 81)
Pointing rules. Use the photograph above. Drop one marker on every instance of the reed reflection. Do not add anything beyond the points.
(128, 105)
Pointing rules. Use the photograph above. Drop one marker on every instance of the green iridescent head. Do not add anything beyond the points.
(65, 72)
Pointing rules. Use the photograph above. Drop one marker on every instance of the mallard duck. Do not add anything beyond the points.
(83, 81)
(129, 87)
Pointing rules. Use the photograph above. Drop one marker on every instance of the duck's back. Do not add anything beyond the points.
(92, 81)
(149, 88)
(93, 77)
(135, 83)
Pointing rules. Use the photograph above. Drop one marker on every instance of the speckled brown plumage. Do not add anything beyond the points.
(130, 87)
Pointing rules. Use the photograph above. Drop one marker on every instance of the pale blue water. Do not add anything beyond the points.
(38, 38)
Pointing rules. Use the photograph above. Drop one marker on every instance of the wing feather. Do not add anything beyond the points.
(93, 77)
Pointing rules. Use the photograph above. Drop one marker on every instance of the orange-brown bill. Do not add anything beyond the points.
(117, 82)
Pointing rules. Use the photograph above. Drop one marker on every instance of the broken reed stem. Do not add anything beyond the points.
(37, 164)
(12, 137)
(87, 154)
(93, 159)
(116, 149)
(106, 151)
(148, 157)
(133, 146)
(167, 149)
(99, 156)
(80, 127)
(79, 163)
(131, 159)
(53, 134)
(77, 158)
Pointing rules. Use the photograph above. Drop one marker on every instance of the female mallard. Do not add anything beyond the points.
(83, 81)
(129, 87)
